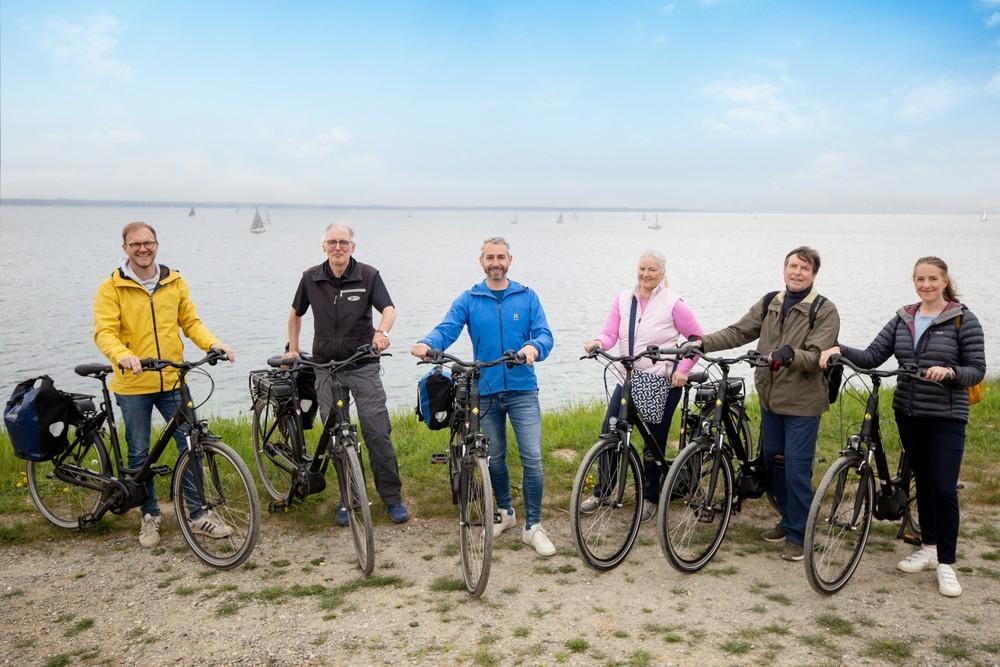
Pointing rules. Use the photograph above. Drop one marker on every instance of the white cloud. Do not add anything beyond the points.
(993, 85)
(759, 107)
(932, 98)
(88, 44)
(319, 145)
(994, 20)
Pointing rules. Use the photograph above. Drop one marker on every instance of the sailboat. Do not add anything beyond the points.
(191, 212)
(515, 220)
(559, 220)
(985, 218)
(644, 216)
(267, 217)
(257, 226)
(656, 223)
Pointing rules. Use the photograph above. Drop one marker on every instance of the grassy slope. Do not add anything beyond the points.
(567, 434)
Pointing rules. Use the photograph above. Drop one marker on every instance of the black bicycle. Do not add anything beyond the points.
(80, 485)
(703, 486)
(468, 466)
(279, 448)
(606, 503)
(846, 499)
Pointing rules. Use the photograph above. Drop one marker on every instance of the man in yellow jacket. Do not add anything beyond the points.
(139, 312)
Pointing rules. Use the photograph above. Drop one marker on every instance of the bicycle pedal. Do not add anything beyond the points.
(86, 521)
(161, 470)
(275, 506)
(439, 458)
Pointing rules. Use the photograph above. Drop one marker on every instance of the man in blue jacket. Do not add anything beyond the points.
(504, 315)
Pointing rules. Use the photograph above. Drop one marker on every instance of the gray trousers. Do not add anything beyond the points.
(368, 396)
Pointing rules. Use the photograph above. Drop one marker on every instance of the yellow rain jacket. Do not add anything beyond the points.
(129, 320)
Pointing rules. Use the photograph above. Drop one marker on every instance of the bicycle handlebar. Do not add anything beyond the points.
(509, 357)
(652, 352)
(752, 357)
(294, 363)
(212, 357)
(909, 370)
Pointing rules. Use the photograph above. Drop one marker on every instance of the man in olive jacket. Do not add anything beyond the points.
(792, 327)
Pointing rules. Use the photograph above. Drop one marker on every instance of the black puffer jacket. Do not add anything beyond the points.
(950, 342)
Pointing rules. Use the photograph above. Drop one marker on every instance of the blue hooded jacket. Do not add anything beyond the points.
(496, 326)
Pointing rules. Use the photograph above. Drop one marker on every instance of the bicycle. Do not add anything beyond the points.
(279, 448)
(612, 472)
(842, 508)
(468, 466)
(700, 492)
(80, 485)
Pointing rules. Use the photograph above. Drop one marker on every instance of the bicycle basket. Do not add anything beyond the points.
(275, 386)
(709, 391)
(435, 394)
(37, 418)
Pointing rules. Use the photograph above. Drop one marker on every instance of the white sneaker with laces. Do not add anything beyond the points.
(210, 525)
(648, 510)
(948, 581)
(507, 520)
(924, 558)
(149, 531)
(539, 539)
(590, 504)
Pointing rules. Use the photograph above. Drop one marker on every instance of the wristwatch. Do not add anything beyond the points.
(384, 333)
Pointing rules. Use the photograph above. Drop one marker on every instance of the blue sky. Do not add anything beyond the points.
(724, 104)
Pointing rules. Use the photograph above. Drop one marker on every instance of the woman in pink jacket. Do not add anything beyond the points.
(660, 318)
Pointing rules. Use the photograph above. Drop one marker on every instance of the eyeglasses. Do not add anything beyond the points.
(135, 245)
(333, 243)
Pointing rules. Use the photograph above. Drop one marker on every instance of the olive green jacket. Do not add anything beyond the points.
(798, 390)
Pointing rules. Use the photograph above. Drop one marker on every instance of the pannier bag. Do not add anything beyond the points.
(274, 386)
(37, 418)
(435, 398)
(649, 396)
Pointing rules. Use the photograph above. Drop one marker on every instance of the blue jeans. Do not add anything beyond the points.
(137, 413)
(526, 417)
(795, 437)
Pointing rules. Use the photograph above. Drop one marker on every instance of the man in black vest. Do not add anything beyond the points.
(342, 292)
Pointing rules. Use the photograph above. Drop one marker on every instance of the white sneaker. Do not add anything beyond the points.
(211, 525)
(590, 504)
(924, 558)
(648, 510)
(948, 581)
(537, 538)
(149, 531)
(507, 520)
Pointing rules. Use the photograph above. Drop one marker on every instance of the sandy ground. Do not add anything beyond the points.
(131, 606)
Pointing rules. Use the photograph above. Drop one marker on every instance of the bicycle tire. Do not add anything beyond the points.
(604, 536)
(286, 443)
(227, 489)
(62, 503)
(840, 519)
(354, 496)
(909, 530)
(475, 514)
(691, 526)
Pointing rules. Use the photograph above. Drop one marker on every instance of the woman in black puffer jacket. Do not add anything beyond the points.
(945, 341)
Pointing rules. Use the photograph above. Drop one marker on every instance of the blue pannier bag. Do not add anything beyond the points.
(37, 418)
(435, 398)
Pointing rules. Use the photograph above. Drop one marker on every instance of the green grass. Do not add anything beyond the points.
(569, 431)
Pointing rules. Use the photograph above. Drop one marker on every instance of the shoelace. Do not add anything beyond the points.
(948, 576)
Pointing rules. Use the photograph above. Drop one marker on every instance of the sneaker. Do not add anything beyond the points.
(590, 505)
(398, 512)
(775, 534)
(922, 559)
(507, 520)
(792, 551)
(648, 510)
(210, 525)
(341, 516)
(149, 530)
(539, 539)
(948, 581)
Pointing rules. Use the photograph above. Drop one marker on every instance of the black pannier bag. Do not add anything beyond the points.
(435, 399)
(37, 419)
(274, 386)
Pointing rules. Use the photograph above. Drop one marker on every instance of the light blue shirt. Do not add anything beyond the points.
(920, 325)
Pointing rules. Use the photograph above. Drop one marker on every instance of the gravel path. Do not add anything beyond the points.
(300, 601)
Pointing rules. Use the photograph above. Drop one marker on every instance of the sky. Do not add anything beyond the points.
(740, 105)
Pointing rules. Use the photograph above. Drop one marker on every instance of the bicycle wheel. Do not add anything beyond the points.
(909, 531)
(60, 502)
(216, 504)
(694, 509)
(756, 450)
(838, 524)
(277, 447)
(354, 495)
(475, 521)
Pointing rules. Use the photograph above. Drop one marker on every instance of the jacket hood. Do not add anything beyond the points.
(480, 289)
(951, 310)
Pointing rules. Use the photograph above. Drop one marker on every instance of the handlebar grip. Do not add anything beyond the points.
(278, 362)
(148, 363)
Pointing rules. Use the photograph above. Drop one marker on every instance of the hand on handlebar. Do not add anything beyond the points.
(226, 350)
(692, 344)
(828, 355)
(529, 353)
(420, 350)
(130, 362)
(781, 358)
(592, 346)
(939, 373)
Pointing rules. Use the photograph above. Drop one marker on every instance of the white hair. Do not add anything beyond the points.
(494, 240)
(657, 257)
(339, 225)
